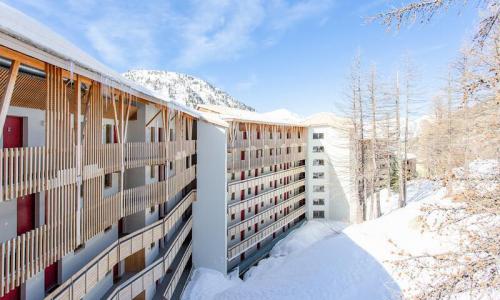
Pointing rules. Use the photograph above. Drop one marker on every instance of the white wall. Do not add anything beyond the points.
(337, 173)
(209, 209)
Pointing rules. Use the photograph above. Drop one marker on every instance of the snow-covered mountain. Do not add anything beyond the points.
(184, 89)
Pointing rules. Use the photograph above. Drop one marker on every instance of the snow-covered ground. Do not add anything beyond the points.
(322, 261)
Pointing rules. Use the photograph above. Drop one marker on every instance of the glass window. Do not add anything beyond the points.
(318, 135)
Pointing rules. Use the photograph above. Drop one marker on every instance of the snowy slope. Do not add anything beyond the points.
(184, 89)
(317, 262)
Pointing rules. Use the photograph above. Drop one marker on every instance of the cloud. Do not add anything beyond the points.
(219, 30)
(187, 34)
(224, 30)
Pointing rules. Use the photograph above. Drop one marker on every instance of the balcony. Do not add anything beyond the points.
(82, 282)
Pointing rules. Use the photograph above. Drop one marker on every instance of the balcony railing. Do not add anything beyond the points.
(29, 170)
(252, 240)
(138, 283)
(236, 163)
(78, 285)
(237, 206)
(264, 215)
(169, 291)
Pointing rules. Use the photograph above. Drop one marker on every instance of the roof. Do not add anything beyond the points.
(327, 119)
(24, 34)
(229, 114)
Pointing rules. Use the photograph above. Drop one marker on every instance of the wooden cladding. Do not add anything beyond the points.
(68, 171)
(78, 285)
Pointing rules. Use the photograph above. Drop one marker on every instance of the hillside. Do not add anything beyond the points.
(371, 260)
(184, 89)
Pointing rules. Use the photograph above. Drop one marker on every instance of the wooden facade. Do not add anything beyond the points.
(67, 171)
(266, 188)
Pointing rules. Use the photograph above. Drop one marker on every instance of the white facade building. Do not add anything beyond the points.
(328, 181)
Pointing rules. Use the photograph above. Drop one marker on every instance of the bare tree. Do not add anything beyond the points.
(374, 195)
(424, 10)
(401, 200)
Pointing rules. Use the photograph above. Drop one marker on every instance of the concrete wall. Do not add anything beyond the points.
(209, 210)
(337, 174)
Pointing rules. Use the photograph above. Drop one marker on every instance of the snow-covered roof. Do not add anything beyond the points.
(228, 114)
(24, 34)
(327, 119)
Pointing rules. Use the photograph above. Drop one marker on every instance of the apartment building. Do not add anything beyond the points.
(251, 184)
(329, 175)
(97, 175)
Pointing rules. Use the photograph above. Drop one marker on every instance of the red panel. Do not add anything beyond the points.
(256, 227)
(13, 132)
(242, 215)
(12, 295)
(242, 235)
(256, 208)
(51, 276)
(25, 213)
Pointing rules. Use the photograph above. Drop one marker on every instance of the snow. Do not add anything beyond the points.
(322, 261)
(280, 116)
(183, 88)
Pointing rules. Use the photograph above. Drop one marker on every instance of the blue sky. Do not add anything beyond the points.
(268, 54)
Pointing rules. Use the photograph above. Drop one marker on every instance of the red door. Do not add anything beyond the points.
(256, 227)
(25, 213)
(256, 208)
(51, 276)
(242, 215)
(12, 295)
(242, 195)
(13, 132)
(242, 235)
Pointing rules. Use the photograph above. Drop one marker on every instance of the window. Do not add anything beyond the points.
(109, 133)
(232, 237)
(318, 162)
(318, 175)
(318, 135)
(319, 201)
(242, 155)
(233, 196)
(108, 180)
(249, 191)
(318, 149)
(300, 149)
(318, 214)
(232, 217)
(232, 176)
(318, 188)
(244, 135)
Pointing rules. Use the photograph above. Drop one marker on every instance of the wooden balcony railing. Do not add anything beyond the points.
(237, 186)
(138, 283)
(237, 206)
(25, 171)
(169, 291)
(252, 240)
(78, 285)
(265, 214)
(236, 163)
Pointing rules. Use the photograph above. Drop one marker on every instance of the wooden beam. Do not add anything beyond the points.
(116, 130)
(153, 118)
(9, 90)
(127, 117)
(22, 58)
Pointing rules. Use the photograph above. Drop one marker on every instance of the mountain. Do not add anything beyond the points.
(184, 89)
